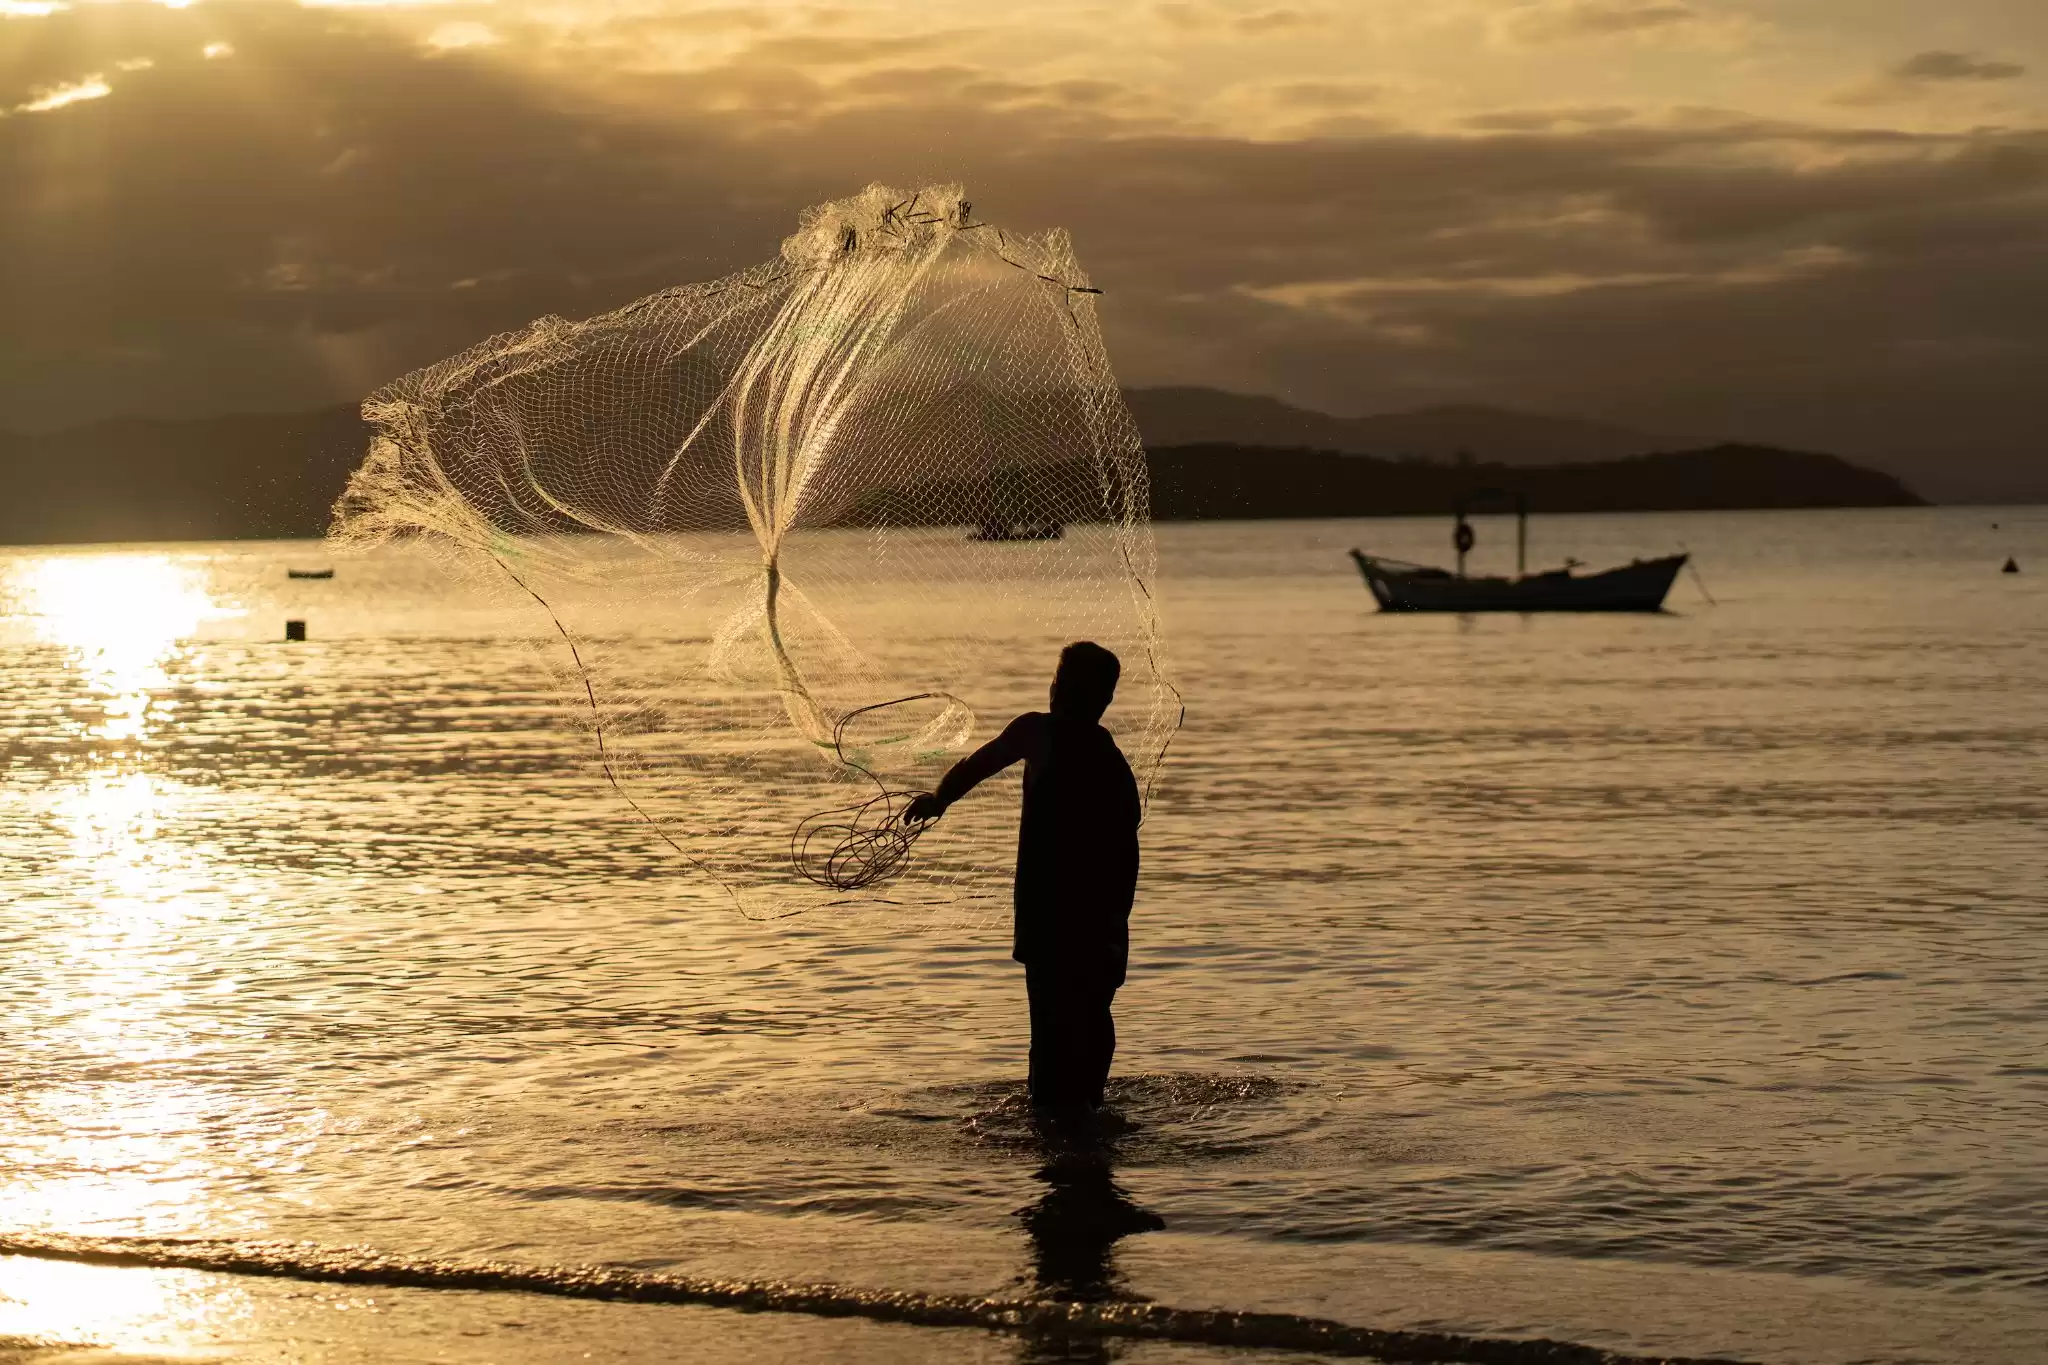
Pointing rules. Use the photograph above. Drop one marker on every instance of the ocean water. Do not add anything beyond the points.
(1670, 984)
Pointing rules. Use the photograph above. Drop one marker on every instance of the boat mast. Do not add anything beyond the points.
(1463, 538)
(1521, 535)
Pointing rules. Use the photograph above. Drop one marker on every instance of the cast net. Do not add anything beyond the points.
(799, 538)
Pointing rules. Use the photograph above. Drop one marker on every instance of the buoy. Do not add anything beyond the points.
(2011, 566)
(295, 630)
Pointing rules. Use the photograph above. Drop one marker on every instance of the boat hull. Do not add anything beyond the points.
(999, 531)
(1641, 586)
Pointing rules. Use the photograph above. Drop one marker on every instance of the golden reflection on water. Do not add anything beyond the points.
(126, 1150)
(111, 821)
(158, 1311)
(122, 616)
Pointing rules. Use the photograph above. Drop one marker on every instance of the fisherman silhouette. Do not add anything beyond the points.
(1077, 871)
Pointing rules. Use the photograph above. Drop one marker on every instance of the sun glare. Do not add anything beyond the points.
(122, 617)
(115, 1307)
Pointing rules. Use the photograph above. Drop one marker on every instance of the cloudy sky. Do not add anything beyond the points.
(1815, 222)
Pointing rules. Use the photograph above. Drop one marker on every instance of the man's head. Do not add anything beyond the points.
(1085, 683)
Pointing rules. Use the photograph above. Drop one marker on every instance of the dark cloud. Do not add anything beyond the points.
(1955, 66)
(1323, 94)
(1207, 18)
(1561, 20)
(1276, 21)
(815, 49)
(1544, 120)
(335, 204)
(1186, 17)
(1914, 77)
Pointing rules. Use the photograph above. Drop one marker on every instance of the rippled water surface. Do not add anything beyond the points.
(1670, 983)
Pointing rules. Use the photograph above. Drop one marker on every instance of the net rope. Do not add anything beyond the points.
(797, 532)
(864, 843)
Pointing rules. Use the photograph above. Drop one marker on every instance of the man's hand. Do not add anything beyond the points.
(923, 808)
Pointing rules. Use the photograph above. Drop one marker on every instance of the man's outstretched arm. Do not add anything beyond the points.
(970, 772)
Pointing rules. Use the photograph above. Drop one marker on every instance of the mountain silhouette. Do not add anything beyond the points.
(1192, 483)
(1188, 416)
(277, 475)
(255, 476)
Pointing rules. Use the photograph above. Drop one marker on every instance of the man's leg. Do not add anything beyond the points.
(1098, 1039)
(1052, 1062)
(1038, 990)
(1061, 1055)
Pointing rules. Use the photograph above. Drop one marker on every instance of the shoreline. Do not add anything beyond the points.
(1132, 1320)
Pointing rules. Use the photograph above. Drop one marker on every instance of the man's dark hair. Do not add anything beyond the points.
(1086, 679)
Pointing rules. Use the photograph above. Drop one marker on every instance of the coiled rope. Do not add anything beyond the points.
(854, 847)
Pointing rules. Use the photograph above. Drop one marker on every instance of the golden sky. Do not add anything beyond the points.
(1815, 222)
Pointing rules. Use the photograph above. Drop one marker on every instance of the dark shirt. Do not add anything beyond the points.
(1077, 843)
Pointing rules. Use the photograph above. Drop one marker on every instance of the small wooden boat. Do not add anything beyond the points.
(1017, 530)
(1640, 585)
(309, 573)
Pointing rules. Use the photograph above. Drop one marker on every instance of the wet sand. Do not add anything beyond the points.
(53, 1313)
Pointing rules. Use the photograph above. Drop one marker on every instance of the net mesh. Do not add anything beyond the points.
(803, 536)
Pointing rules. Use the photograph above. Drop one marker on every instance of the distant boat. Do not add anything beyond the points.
(1008, 511)
(1017, 530)
(309, 573)
(1640, 585)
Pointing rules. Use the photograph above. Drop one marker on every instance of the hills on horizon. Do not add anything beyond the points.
(1186, 415)
(1213, 454)
(237, 476)
(1200, 482)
